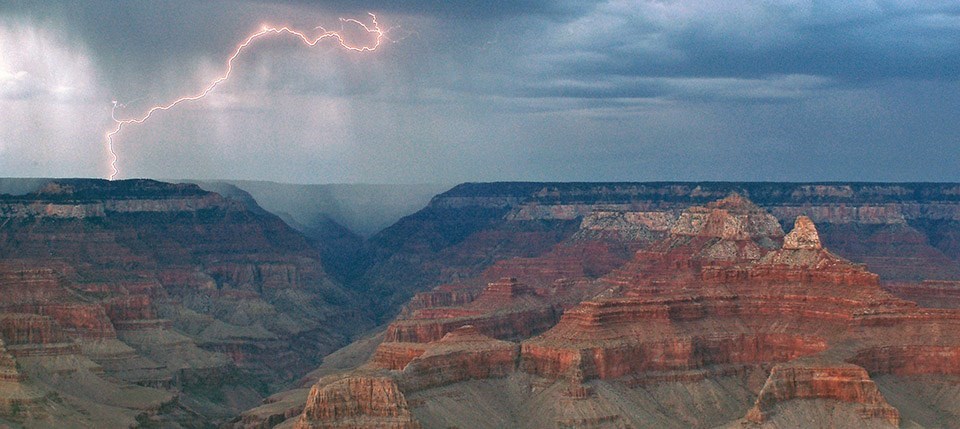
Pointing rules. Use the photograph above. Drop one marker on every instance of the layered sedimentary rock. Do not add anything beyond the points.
(695, 285)
(554, 237)
(815, 380)
(16, 397)
(167, 286)
(902, 231)
(929, 293)
(798, 301)
(701, 310)
(355, 402)
(626, 226)
(463, 354)
(722, 294)
(375, 398)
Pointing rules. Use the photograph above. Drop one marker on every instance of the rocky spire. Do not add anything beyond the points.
(803, 236)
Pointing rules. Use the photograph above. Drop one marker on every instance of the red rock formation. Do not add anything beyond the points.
(577, 259)
(506, 309)
(622, 357)
(441, 296)
(723, 293)
(30, 329)
(356, 402)
(82, 320)
(684, 306)
(397, 355)
(81, 260)
(503, 292)
(24, 282)
(814, 380)
(910, 359)
(537, 271)
(460, 355)
(508, 324)
(930, 293)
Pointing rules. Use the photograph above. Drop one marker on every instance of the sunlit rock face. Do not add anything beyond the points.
(803, 236)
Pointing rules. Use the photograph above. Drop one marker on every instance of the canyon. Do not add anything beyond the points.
(500, 305)
(148, 301)
(672, 314)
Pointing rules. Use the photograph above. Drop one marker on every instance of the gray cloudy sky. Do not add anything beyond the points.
(489, 90)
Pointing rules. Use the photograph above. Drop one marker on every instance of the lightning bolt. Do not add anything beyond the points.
(372, 29)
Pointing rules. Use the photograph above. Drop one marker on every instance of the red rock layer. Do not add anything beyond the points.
(357, 402)
(507, 324)
(622, 358)
(575, 259)
(405, 339)
(81, 320)
(842, 382)
(25, 328)
(674, 308)
(397, 355)
(910, 359)
(503, 292)
(98, 256)
(724, 291)
(463, 354)
(930, 293)
(442, 296)
(508, 308)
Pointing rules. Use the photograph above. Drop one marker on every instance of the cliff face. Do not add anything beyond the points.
(904, 232)
(166, 286)
(807, 380)
(357, 402)
(712, 294)
(684, 305)
(597, 302)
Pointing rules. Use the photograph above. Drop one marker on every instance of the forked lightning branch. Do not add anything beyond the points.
(371, 29)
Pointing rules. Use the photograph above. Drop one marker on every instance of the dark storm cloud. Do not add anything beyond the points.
(848, 42)
(563, 90)
(466, 9)
(590, 46)
(137, 42)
